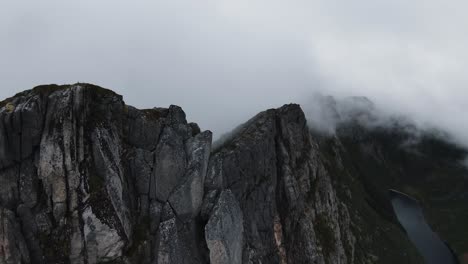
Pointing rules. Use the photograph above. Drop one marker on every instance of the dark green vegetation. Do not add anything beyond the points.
(325, 234)
(427, 167)
(379, 237)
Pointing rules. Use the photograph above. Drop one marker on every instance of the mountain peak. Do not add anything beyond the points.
(88, 179)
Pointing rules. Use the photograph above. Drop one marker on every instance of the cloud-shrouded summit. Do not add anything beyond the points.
(223, 61)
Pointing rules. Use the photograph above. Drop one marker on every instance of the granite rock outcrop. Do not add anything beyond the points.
(87, 179)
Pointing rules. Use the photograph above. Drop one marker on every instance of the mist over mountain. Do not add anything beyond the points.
(326, 114)
(233, 132)
(86, 178)
(224, 61)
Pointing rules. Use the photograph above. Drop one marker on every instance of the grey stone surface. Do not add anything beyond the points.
(272, 167)
(224, 231)
(13, 248)
(88, 176)
(188, 196)
(87, 179)
(169, 166)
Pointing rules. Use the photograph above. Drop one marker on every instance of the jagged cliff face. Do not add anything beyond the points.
(290, 210)
(88, 179)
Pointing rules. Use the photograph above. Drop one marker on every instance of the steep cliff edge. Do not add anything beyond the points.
(298, 183)
(88, 179)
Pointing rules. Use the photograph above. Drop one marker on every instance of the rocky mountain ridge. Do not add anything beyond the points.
(88, 179)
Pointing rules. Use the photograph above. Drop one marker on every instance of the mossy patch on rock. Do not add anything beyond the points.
(56, 245)
(10, 107)
(50, 88)
(324, 233)
(156, 113)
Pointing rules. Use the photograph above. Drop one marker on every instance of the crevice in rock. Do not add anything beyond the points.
(20, 135)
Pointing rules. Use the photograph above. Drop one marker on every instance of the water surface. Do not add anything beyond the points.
(428, 243)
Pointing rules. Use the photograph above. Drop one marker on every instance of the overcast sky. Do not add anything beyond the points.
(225, 60)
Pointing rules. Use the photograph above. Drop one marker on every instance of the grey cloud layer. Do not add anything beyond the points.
(223, 61)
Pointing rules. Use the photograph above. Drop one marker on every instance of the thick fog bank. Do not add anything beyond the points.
(224, 61)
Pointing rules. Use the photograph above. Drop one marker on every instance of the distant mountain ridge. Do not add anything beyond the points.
(86, 178)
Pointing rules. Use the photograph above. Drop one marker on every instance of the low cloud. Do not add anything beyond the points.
(224, 61)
